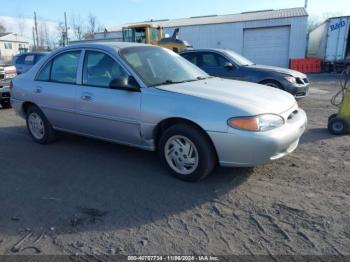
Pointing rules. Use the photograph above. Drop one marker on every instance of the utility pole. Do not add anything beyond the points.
(36, 29)
(34, 44)
(306, 3)
(66, 30)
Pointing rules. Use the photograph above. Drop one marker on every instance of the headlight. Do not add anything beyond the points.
(291, 79)
(258, 123)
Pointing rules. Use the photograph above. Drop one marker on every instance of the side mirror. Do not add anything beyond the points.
(124, 83)
(229, 65)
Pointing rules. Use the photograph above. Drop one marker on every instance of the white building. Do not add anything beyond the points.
(270, 37)
(11, 44)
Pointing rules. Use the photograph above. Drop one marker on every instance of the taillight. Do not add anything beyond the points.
(11, 84)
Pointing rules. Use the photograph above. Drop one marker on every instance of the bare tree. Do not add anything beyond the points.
(91, 27)
(45, 41)
(77, 24)
(41, 35)
(101, 28)
(2, 27)
(61, 34)
(20, 24)
(45, 35)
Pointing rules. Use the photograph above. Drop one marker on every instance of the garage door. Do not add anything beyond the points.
(268, 45)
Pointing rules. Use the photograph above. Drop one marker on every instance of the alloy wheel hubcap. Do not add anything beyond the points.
(36, 125)
(181, 155)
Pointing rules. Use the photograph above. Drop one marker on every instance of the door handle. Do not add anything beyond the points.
(38, 90)
(86, 97)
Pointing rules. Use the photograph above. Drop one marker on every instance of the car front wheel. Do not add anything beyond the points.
(272, 83)
(38, 126)
(187, 152)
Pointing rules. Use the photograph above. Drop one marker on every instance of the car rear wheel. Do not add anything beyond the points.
(186, 152)
(39, 127)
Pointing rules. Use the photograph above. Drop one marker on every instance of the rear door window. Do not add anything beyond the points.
(64, 67)
(45, 73)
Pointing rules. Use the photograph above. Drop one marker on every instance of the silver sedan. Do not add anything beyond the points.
(151, 98)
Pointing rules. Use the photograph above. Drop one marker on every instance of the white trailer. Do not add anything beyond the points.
(330, 41)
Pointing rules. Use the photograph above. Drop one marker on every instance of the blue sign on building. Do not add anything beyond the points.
(337, 26)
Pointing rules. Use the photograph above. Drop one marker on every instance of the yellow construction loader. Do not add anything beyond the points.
(153, 34)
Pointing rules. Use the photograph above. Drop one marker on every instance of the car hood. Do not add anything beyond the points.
(278, 70)
(250, 98)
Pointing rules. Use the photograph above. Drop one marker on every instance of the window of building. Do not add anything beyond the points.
(8, 45)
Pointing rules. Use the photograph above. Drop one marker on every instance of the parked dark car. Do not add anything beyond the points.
(24, 62)
(225, 63)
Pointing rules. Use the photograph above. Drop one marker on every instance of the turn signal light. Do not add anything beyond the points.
(245, 123)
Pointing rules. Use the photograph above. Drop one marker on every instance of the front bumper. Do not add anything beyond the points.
(4, 92)
(247, 149)
(297, 90)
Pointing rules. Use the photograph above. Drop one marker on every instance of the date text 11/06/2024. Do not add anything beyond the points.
(173, 258)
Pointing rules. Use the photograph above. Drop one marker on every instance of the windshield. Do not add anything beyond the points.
(159, 66)
(238, 59)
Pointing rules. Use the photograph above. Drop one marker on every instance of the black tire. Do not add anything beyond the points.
(338, 126)
(331, 117)
(272, 83)
(49, 134)
(206, 153)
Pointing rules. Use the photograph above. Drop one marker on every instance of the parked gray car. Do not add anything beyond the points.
(151, 98)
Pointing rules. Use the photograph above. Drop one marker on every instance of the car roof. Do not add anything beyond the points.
(111, 46)
(33, 53)
(104, 44)
(204, 50)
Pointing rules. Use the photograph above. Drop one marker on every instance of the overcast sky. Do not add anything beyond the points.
(114, 12)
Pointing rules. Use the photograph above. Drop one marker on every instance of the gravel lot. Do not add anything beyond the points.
(82, 196)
